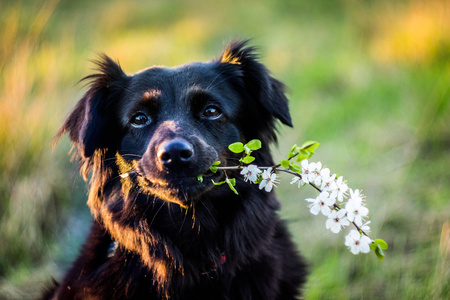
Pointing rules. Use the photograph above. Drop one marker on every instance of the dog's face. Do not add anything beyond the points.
(179, 121)
(173, 123)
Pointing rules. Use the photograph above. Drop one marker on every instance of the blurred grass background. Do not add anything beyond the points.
(368, 79)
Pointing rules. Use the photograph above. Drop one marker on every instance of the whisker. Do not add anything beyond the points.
(154, 216)
(123, 155)
(114, 178)
(182, 223)
(132, 155)
(208, 210)
(226, 78)
(134, 202)
(148, 206)
(210, 84)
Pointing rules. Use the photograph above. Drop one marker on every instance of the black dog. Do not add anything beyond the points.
(158, 232)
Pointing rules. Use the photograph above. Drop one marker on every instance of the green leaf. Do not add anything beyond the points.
(214, 168)
(311, 146)
(254, 144)
(294, 167)
(284, 163)
(231, 183)
(379, 242)
(304, 154)
(218, 183)
(373, 246)
(378, 246)
(200, 177)
(248, 159)
(383, 245)
(379, 253)
(293, 151)
(237, 147)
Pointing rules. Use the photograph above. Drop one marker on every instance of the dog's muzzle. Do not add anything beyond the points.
(172, 162)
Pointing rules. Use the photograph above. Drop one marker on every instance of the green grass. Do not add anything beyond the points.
(369, 80)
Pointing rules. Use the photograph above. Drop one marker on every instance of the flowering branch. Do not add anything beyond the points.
(331, 190)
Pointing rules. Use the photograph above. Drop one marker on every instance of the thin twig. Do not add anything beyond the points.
(277, 168)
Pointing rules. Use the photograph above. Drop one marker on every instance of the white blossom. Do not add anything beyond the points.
(305, 170)
(269, 180)
(358, 242)
(331, 190)
(336, 220)
(328, 182)
(321, 203)
(325, 173)
(314, 173)
(251, 173)
(365, 227)
(299, 180)
(355, 209)
(341, 189)
(356, 195)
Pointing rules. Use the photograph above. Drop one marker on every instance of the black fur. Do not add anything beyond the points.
(159, 233)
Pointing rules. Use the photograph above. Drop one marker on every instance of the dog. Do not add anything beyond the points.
(158, 232)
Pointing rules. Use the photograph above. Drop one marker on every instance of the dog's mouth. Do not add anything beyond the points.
(180, 190)
(175, 169)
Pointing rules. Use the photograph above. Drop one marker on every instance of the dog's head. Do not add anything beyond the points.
(173, 123)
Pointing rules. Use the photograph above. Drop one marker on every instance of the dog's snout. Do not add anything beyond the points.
(175, 152)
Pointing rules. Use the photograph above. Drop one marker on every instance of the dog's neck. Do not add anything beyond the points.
(172, 240)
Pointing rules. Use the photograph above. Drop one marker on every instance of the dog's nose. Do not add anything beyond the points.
(175, 152)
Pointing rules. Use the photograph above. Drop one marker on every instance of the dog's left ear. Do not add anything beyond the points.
(92, 125)
(256, 80)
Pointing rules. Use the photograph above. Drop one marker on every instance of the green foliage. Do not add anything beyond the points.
(285, 163)
(237, 147)
(214, 166)
(378, 246)
(254, 145)
(295, 168)
(310, 146)
(200, 177)
(218, 183)
(293, 151)
(306, 150)
(230, 182)
(303, 152)
(248, 159)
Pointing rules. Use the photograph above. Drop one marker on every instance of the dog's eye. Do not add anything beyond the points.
(140, 120)
(212, 112)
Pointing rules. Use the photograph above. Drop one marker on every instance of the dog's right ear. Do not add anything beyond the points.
(256, 80)
(93, 122)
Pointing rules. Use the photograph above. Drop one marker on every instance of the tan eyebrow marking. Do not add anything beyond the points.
(151, 94)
